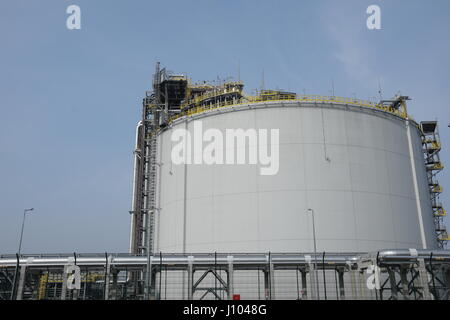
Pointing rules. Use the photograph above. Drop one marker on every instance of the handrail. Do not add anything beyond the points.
(302, 98)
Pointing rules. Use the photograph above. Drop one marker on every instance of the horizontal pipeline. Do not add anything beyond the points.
(239, 260)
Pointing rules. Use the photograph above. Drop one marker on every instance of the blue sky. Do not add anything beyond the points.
(70, 99)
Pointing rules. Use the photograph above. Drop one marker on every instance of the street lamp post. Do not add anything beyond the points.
(14, 285)
(315, 254)
(23, 224)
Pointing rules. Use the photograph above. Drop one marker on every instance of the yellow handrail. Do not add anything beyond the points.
(302, 98)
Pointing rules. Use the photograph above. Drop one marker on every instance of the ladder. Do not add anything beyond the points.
(150, 192)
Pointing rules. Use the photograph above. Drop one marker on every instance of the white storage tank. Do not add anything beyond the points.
(360, 169)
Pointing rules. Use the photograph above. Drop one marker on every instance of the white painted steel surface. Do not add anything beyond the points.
(363, 197)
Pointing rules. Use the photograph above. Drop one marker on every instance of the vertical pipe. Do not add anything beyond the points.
(404, 280)
(158, 190)
(185, 189)
(190, 278)
(133, 197)
(230, 277)
(148, 278)
(185, 200)
(415, 184)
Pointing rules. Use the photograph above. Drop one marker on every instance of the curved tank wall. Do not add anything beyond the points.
(363, 196)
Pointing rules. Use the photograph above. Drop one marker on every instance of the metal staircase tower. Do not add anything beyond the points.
(144, 189)
(144, 205)
(151, 122)
(431, 148)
